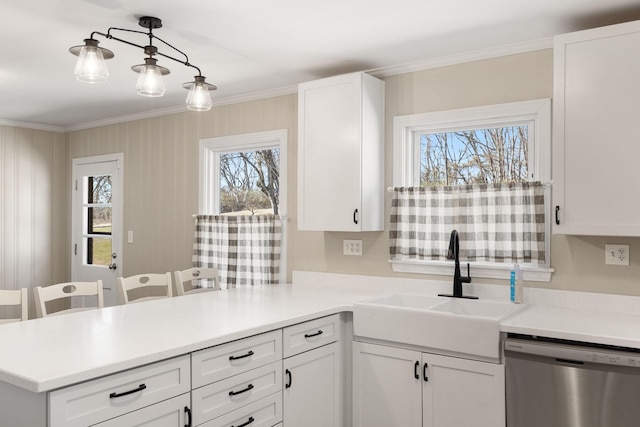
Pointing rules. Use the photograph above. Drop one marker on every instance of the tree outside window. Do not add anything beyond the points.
(250, 182)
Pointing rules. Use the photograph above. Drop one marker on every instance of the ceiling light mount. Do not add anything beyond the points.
(91, 67)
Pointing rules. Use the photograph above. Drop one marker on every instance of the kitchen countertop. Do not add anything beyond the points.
(44, 354)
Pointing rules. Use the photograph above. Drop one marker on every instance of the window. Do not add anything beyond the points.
(493, 145)
(243, 201)
(241, 174)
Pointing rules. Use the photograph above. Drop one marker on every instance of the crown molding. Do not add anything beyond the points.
(32, 126)
(461, 58)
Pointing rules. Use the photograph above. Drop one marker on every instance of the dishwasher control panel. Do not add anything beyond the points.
(571, 353)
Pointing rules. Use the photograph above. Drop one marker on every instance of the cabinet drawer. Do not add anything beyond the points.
(170, 412)
(309, 335)
(216, 363)
(263, 413)
(220, 398)
(108, 397)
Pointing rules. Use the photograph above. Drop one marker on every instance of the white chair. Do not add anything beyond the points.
(15, 298)
(193, 276)
(143, 283)
(44, 294)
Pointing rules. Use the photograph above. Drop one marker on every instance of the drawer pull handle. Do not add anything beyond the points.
(288, 374)
(313, 335)
(244, 390)
(249, 421)
(187, 413)
(125, 393)
(250, 353)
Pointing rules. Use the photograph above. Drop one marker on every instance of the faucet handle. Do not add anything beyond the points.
(468, 278)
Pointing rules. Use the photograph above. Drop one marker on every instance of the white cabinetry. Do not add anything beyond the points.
(313, 386)
(239, 382)
(400, 387)
(340, 154)
(595, 140)
(123, 393)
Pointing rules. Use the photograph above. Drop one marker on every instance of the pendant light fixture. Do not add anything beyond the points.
(91, 66)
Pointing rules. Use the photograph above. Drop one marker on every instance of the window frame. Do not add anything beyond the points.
(209, 174)
(212, 148)
(406, 168)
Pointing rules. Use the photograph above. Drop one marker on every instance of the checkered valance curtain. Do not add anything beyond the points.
(495, 222)
(245, 249)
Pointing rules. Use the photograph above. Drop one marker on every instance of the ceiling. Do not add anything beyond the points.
(252, 46)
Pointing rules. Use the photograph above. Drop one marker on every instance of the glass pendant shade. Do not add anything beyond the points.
(91, 67)
(199, 98)
(150, 81)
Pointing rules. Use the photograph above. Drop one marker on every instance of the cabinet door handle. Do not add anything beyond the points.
(355, 216)
(557, 219)
(187, 413)
(250, 353)
(244, 390)
(125, 393)
(313, 335)
(289, 378)
(424, 372)
(249, 421)
(415, 370)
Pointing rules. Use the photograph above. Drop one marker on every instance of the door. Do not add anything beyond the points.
(313, 388)
(460, 392)
(96, 243)
(387, 386)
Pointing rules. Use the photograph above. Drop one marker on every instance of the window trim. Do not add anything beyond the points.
(209, 174)
(406, 148)
(212, 148)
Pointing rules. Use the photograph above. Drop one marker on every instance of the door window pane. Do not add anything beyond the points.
(97, 220)
(98, 251)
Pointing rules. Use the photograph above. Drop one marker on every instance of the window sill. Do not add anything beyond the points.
(478, 269)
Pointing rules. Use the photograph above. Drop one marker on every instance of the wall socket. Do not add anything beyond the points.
(616, 254)
(352, 247)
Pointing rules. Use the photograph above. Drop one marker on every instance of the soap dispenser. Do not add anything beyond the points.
(515, 284)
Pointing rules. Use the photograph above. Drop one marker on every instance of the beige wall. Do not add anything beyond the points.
(578, 261)
(33, 200)
(161, 173)
(161, 179)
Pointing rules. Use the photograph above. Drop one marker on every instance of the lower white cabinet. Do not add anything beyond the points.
(400, 387)
(105, 398)
(313, 388)
(169, 413)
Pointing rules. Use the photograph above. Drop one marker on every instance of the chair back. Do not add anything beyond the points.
(17, 298)
(44, 294)
(154, 282)
(194, 278)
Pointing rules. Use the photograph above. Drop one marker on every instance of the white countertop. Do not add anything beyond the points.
(45, 354)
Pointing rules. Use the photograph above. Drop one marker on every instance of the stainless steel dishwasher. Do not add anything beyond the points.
(557, 383)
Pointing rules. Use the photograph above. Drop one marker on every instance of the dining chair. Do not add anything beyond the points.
(191, 280)
(15, 298)
(137, 288)
(69, 290)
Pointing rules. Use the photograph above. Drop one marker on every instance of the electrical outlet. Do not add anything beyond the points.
(616, 254)
(352, 247)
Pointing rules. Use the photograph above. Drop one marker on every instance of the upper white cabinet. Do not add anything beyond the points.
(596, 145)
(341, 154)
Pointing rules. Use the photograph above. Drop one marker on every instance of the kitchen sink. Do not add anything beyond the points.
(451, 325)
